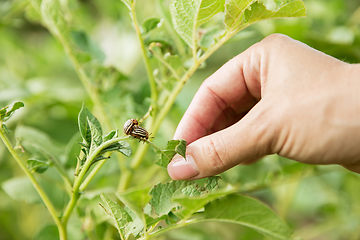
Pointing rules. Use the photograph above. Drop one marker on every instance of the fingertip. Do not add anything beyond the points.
(181, 169)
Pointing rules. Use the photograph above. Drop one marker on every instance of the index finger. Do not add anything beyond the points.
(225, 94)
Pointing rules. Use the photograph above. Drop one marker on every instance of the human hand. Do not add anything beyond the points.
(279, 96)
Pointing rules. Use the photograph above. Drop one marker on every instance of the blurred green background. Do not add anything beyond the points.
(319, 202)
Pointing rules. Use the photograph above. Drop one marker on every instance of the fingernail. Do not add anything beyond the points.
(180, 169)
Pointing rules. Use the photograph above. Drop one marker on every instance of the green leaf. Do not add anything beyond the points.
(110, 135)
(125, 148)
(150, 24)
(136, 226)
(37, 165)
(259, 12)
(164, 192)
(3, 112)
(6, 112)
(190, 205)
(187, 16)
(40, 146)
(136, 199)
(38, 138)
(248, 212)
(96, 136)
(122, 146)
(15, 106)
(119, 215)
(212, 183)
(5, 129)
(173, 147)
(84, 126)
(54, 19)
(21, 189)
(241, 13)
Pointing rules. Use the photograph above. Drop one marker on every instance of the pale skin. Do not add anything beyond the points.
(279, 96)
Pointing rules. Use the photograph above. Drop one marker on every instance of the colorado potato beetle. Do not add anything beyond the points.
(140, 133)
(129, 126)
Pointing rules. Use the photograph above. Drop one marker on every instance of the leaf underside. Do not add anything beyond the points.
(187, 16)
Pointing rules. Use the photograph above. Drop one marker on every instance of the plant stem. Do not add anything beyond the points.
(91, 175)
(79, 184)
(36, 185)
(149, 71)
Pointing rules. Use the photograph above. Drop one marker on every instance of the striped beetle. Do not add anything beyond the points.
(129, 126)
(140, 133)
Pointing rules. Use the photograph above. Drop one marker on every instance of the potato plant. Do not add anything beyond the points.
(137, 201)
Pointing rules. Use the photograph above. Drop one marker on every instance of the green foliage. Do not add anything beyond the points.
(91, 133)
(249, 212)
(7, 112)
(240, 14)
(120, 216)
(20, 189)
(173, 147)
(188, 16)
(57, 55)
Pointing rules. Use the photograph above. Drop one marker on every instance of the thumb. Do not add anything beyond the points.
(250, 138)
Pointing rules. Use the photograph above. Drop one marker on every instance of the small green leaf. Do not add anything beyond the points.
(241, 13)
(3, 113)
(84, 126)
(187, 16)
(125, 148)
(259, 12)
(6, 112)
(122, 146)
(5, 129)
(173, 147)
(248, 212)
(110, 135)
(150, 24)
(119, 215)
(37, 165)
(96, 136)
(136, 199)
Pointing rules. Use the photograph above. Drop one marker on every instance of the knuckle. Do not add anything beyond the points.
(276, 38)
(213, 155)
